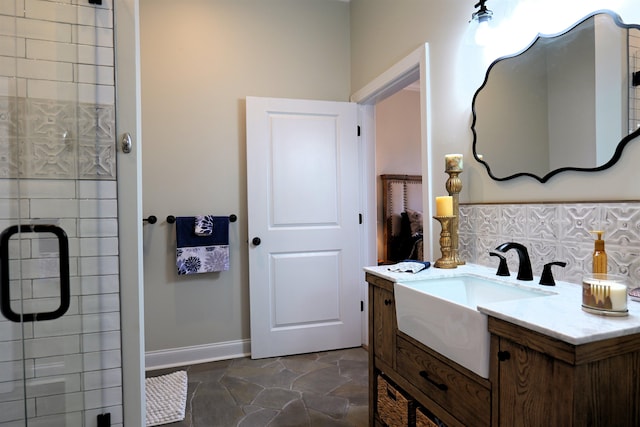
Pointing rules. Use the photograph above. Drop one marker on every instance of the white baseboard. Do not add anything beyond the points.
(169, 358)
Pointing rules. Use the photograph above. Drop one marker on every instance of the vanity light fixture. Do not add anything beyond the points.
(482, 14)
(480, 21)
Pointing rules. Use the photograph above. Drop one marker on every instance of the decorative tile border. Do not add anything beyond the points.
(554, 232)
(55, 139)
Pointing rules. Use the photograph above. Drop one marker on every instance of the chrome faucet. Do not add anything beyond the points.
(524, 268)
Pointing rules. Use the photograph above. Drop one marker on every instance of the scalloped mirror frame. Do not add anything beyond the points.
(620, 146)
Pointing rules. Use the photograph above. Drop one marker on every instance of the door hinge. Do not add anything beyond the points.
(361, 305)
(360, 219)
(358, 130)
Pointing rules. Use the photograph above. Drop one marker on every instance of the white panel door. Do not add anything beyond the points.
(302, 184)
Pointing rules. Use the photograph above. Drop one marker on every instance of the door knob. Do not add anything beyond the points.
(256, 241)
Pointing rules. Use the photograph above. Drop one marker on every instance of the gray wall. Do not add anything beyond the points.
(200, 59)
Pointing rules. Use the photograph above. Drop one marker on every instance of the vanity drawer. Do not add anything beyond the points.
(461, 396)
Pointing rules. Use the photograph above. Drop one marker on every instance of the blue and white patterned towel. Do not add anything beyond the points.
(204, 225)
(202, 254)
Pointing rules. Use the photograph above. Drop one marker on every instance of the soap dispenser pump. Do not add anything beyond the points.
(599, 255)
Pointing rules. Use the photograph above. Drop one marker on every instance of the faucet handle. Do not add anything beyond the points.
(546, 278)
(503, 268)
(524, 268)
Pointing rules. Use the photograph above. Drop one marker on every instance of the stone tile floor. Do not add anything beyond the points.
(326, 389)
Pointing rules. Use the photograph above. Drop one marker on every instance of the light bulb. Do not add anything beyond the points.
(483, 33)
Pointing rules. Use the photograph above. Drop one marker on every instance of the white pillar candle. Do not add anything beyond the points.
(618, 296)
(616, 292)
(453, 162)
(444, 206)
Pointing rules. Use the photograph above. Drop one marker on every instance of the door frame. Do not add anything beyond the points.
(128, 119)
(412, 67)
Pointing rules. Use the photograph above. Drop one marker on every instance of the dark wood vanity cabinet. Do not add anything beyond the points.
(382, 336)
(384, 319)
(535, 380)
(448, 391)
(540, 381)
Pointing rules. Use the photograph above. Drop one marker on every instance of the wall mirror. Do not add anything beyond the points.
(566, 102)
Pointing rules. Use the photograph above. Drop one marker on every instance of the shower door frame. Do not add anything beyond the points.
(128, 120)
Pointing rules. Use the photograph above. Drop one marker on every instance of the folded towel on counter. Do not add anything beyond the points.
(410, 266)
(202, 254)
(204, 225)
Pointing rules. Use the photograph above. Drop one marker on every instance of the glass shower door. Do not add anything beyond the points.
(60, 341)
(38, 349)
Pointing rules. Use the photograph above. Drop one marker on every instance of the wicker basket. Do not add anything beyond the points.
(424, 420)
(394, 409)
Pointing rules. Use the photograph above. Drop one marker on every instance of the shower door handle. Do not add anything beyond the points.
(5, 289)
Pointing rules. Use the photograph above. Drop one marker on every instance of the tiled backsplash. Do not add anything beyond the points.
(554, 232)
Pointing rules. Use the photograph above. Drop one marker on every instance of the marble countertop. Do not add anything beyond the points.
(558, 315)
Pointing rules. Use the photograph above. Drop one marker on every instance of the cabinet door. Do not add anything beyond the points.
(534, 389)
(384, 324)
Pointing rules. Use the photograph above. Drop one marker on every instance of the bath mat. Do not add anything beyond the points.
(166, 398)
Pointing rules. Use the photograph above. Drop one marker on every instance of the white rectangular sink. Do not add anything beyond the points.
(442, 313)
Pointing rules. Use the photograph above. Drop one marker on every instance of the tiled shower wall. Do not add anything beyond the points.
(554, 232)
(72, 364)
(57, 164)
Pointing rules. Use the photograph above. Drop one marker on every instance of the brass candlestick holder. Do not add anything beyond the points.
(454, 186)
(446, 261)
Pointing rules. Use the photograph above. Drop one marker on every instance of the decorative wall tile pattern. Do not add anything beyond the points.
(56, 139)
(11, 110)
(554, 232)
(8, 157)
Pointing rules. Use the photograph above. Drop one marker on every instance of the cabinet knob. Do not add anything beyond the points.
(387, 302)
(504, 355)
